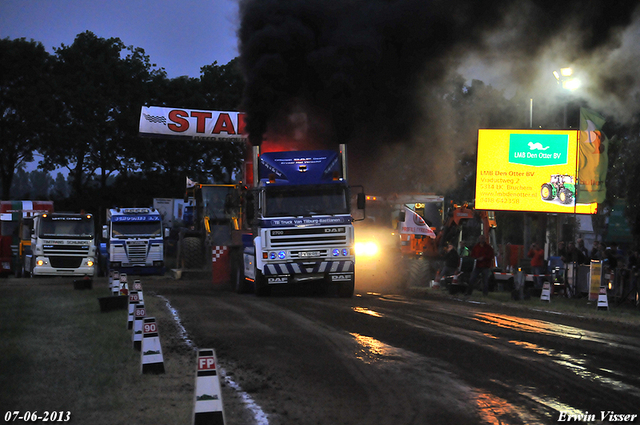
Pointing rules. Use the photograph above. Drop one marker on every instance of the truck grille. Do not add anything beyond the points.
(137, 254)
(292, 238)
(66, 250)
(65, 262)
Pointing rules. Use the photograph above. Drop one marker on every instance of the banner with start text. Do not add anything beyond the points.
(529, 170)
(195, 124)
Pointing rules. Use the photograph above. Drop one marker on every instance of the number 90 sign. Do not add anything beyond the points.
(150, 328)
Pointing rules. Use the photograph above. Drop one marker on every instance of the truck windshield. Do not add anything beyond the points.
(305, 201)
(214, 201)
(67, 227)
(148, 229)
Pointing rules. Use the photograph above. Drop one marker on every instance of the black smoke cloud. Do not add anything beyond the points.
(370, 72)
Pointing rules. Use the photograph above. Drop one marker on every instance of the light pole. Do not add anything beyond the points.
(566, 79)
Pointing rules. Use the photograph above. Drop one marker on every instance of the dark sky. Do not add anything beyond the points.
(180, 36)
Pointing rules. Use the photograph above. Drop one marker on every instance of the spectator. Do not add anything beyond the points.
(463, 251)
(610, 257)
(595, 253)
(573, 255)
(451, 262)
(562, 252)
(536, 253)
(484, 255)
(583, 249)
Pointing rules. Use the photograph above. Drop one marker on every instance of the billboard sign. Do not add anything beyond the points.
(528, 170)
(216, 126)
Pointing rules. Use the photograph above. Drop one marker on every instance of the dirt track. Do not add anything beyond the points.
(309, 358)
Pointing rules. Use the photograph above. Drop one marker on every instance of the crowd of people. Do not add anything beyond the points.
(611, 256)
(572, 252)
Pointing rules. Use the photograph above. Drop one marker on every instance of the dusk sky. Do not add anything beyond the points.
(179, 36)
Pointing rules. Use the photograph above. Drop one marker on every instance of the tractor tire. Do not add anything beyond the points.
(565, 196)
(192, 254)
(418, 272)
(546, 192)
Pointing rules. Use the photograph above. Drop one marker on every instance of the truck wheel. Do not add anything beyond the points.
(345, 289)
(546, 192)
(240, 281)
(262, 288)
(192, 252)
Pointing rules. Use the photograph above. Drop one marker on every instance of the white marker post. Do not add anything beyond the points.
(151, 359)
(603, 301)
(208, 407)
(136, 337)
(124, 286)
(545, 295)
(133, 300)
(137, 286)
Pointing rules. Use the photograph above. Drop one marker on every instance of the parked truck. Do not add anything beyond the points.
(134, 241)
(62, 244)
(301, 224)
(15, 219)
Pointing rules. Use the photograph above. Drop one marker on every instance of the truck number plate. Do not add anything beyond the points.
(309, 253)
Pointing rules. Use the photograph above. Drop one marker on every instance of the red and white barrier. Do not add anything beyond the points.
(220, 265)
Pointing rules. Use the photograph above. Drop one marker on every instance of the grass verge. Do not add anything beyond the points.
(58, 352)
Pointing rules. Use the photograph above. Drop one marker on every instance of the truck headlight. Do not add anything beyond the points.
(367, 249)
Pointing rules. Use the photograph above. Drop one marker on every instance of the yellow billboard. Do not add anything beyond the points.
(528, 170)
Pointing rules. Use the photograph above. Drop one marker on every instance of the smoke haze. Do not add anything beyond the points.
(380, 75)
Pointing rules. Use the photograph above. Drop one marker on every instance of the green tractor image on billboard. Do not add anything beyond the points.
(561, 186)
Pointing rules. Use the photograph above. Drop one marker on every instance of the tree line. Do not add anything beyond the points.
(79, 108)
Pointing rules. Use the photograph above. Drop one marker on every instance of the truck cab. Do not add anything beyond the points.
(62, 244)
(135, 241)
(301, 221)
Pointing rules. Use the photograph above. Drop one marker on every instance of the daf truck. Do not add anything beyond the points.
(301, 224)
(62, 244)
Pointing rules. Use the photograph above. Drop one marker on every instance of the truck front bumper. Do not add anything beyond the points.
(44, 268)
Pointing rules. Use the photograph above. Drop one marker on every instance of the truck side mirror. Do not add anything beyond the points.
(105, 231)
(402, 217)
(360, 201)
(167, 232)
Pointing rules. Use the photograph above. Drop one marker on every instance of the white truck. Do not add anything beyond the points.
(134, 241)
(62, 244)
